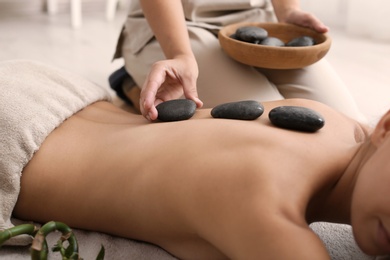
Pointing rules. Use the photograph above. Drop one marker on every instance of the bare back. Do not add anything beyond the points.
(170, 183)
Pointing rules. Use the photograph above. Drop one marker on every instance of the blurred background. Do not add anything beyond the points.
(370, 19)
(80, 36)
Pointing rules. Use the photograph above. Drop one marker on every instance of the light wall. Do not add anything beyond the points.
(369, 18)
(366, 18)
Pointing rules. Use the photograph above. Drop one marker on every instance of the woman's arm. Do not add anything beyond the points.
(168, 79)
(289, 11)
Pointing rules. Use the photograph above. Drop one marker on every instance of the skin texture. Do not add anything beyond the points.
(209, 188)
(177, 75)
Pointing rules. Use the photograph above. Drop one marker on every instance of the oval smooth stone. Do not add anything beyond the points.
(272, 41)
(301, 41)
(176, 110)
(234, 36)
(242, 110)
(252, 34)
(296, 118)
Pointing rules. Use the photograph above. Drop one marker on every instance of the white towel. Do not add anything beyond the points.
(34, 100)
(339, 241)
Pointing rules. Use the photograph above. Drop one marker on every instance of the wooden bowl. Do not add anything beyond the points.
(274, 57)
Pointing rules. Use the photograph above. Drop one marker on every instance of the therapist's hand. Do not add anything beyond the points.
(167, 80)
(305, 19)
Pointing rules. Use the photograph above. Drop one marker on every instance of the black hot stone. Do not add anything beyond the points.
(296, 118)
(242, 110)
(176, 110)
(234, 36)
(272, 41)
(301, 41)
(252, 34)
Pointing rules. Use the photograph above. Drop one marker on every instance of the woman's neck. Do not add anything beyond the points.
(336, 203)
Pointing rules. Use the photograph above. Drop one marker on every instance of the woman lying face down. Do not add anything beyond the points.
(208, 188)
(202, 188)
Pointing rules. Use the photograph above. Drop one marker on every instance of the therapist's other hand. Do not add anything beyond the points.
(167, 80)
(305, 19)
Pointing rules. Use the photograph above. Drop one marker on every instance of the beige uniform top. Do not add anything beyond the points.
(208, 14)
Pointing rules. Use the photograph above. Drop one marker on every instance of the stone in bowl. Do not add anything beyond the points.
(275, 57)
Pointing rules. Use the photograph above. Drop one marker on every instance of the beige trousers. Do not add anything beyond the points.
(222, 79)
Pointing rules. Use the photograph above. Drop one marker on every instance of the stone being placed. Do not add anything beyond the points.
(242, 110)
(296, 118)
(176, 110)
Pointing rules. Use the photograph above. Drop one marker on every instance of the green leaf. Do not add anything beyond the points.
(101, 254)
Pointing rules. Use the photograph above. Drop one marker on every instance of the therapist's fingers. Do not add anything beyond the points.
(190, 92)
(149, 90)
(306, 19)
(148, 105)
(317, 25)
(169, 79)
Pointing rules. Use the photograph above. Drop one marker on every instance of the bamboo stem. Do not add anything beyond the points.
(71, 252)
(28, 229)
(39, 247)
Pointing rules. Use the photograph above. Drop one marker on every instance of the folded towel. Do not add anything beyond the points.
(339, 241)
(34, 100)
